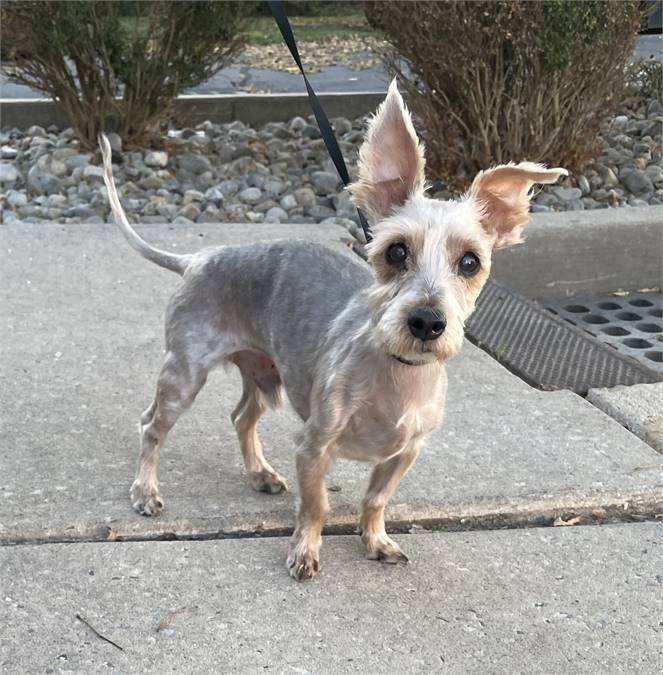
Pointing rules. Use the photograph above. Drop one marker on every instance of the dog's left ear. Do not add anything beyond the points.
(391, 160)
(502, 195)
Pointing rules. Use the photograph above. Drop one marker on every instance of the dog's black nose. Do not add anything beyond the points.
(426, 323)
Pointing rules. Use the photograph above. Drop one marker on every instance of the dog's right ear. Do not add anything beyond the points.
(391, 160)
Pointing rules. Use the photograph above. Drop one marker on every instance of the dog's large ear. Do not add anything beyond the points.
(503, 197)
(391, 160)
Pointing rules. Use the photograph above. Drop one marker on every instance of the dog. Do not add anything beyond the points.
(359, 350)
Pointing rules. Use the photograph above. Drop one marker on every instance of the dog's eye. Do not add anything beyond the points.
(396, 254)
(469, 264)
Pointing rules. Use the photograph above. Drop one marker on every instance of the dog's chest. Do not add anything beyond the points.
(391, 418)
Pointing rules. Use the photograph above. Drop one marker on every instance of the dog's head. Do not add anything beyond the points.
(430, 257)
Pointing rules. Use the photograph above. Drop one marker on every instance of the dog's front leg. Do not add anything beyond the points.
(383, 483)
(313, 461)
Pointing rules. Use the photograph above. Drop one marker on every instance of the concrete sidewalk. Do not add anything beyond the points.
(556, 600)
(82, 344)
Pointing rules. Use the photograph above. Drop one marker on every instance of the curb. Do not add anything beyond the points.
(591, 252)
(252, 109)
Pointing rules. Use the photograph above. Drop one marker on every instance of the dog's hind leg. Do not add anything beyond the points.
(178, 384)
(262, 390)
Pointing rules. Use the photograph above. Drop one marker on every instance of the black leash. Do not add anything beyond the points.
(281, 18)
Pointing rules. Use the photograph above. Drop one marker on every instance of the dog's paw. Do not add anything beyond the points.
(383, 548)
(303, 560)
(146, 501)
(267, 481)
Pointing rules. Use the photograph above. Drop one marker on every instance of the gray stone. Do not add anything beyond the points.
(575, 460)
(8, 174)
(57, 201)
(595, 182)
(575, 205)
(584, 186)
(276, 215)
(584, 600)
(8, 217)
(36, 130)
(194, 163)
(566, 194)
(655, 174)
(310, 131)
(193, 196)
(190, 211)
(214, 195)
(256, 180)
(607, 175)
(75, 161)
(638, 407)
(325, 182)
(341, 125)
(58, 168)
(637, 181)
(115, 142)
(273, 187)
(305, 197)
(263, 207)
(288, 202)
(8, 152)
(539, 208)
(156, 158)
(83, 211)
(297, 124)
(619, 122)
(320, 212)
(255, 217)
(655, 107)
(251, 195)
(16, 199)
(228, 187)
(93, 174)
(546, 199)
(210, 215)
(41, 182)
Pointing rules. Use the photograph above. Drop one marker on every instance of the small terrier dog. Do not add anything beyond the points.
(359, 351)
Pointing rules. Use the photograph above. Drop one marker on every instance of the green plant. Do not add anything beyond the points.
(85, 54)
(492, 82)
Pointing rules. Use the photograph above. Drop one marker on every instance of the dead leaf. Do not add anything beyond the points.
(560, 522)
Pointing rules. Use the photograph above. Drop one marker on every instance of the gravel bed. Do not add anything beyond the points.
(278, 173)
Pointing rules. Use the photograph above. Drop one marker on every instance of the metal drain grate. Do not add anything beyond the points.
(632, 324)
(544, 349)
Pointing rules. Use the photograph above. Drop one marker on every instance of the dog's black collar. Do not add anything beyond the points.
(407, 362)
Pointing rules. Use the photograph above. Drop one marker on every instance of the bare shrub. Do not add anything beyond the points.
(83, 54)
(493, 82)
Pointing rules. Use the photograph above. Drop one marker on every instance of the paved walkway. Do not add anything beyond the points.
(233, 79)
(556, 600)
(82, 339)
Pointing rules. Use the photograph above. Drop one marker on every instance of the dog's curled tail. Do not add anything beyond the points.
(171, 261)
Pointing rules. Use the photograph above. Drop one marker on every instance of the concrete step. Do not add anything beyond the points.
(554, 600)
(82, 345)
